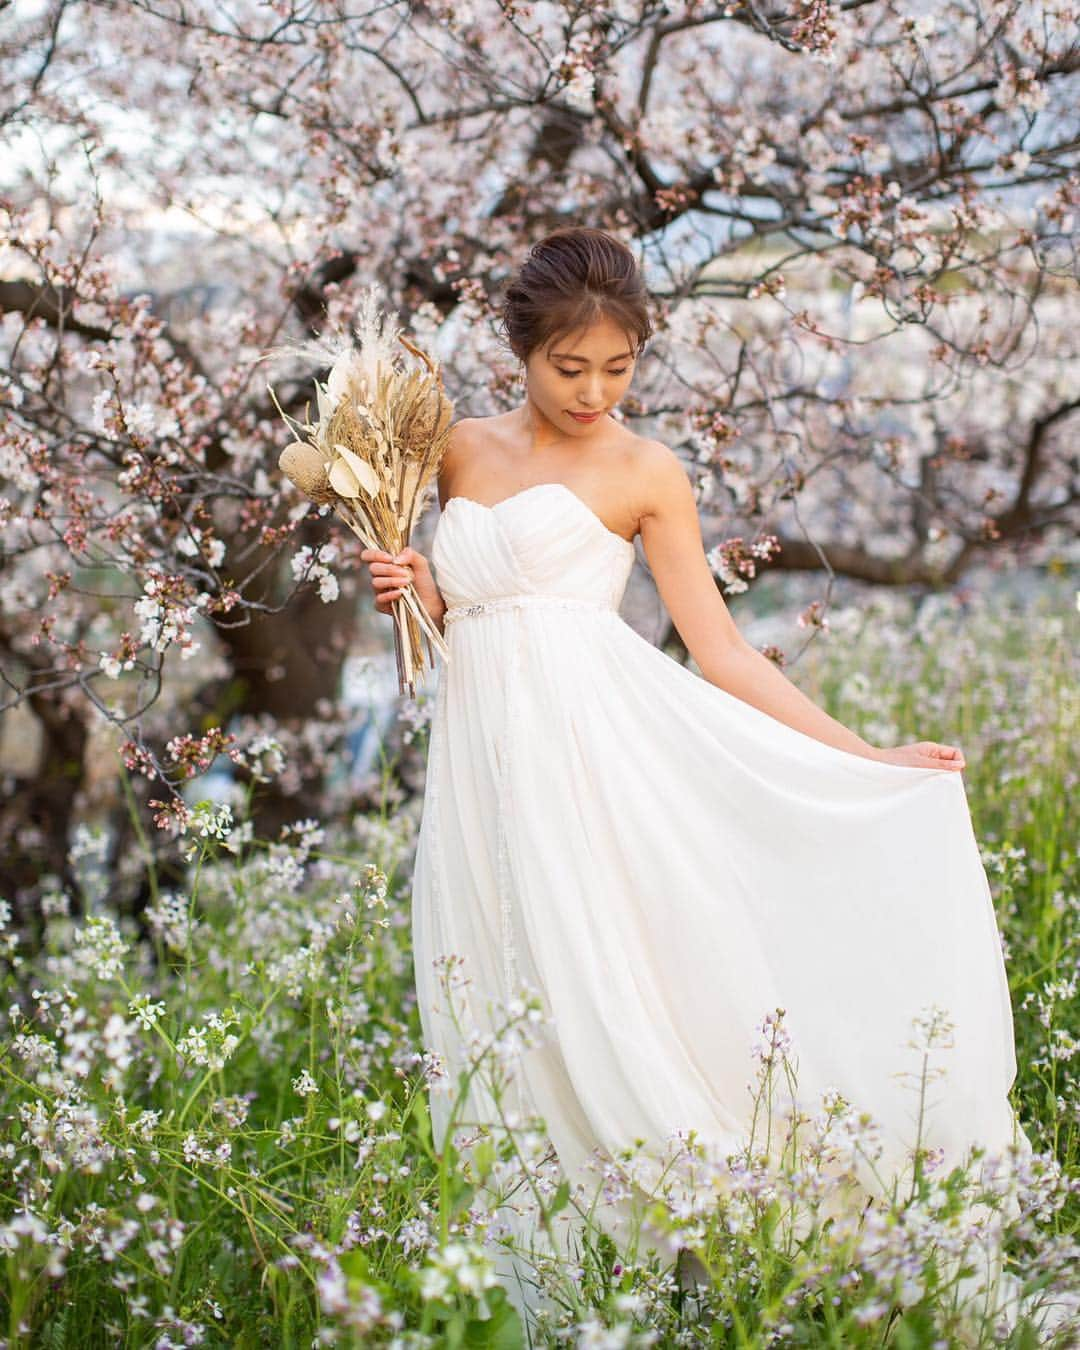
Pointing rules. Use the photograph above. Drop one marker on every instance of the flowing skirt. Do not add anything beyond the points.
(665, 865)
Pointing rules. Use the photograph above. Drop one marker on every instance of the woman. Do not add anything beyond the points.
(667, 858)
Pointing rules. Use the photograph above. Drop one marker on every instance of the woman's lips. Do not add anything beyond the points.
(584, 417)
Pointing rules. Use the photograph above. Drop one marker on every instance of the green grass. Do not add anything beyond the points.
(217, 1132)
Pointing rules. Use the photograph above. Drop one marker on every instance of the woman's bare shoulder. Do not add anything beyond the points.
(460, 441)
(470, 430)
(475, 428)
(653, 471)
(467, 438)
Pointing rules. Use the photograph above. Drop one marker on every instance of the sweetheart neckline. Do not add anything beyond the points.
(533, 487)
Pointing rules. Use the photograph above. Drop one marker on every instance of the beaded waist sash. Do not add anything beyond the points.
(524, 599)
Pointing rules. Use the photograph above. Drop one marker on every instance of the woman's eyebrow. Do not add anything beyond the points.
(568, 356)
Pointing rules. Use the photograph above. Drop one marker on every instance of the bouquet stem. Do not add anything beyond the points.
(411, 620)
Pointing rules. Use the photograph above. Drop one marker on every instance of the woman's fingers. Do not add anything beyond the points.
(387, 575)
(926, 755)
(391, 574)
(945, 756)
(386, 590)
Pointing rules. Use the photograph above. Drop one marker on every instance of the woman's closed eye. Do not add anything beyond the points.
(571, 373)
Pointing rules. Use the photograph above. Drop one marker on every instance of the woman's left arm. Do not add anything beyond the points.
(671, 536)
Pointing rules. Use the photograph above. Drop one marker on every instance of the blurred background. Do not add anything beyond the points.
(859, 231)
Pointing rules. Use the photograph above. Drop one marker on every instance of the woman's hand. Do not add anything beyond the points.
(923, 755)
(391, 573)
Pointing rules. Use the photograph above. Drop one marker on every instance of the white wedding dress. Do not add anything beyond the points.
(665, 864)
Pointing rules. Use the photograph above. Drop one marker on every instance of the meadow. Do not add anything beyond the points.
(215, 1122)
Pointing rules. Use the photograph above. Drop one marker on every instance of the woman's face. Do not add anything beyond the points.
(587, 372)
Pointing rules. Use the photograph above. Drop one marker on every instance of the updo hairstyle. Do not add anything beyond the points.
(571, 278)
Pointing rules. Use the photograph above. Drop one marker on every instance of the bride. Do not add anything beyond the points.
(663, 857)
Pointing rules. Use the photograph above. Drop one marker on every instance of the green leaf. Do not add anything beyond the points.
(502, 1330)
(484, 1156)
(561, 1197)
(355, 1264)
(419, 1113)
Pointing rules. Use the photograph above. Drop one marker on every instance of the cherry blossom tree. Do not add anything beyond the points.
(857, 221)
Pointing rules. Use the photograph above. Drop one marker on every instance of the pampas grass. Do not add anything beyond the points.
(374, 452)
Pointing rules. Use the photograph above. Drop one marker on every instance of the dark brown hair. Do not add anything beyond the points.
(571, 278)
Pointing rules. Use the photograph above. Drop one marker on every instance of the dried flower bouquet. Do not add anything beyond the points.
(374, 453)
